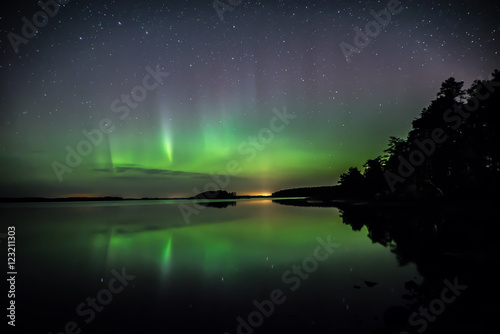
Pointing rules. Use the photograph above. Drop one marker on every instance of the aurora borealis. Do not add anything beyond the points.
(91, 67)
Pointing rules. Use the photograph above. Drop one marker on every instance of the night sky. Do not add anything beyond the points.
(266, 95)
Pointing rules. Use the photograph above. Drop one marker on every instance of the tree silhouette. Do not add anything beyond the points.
(465, 161)
(353, 183)
(374, 175)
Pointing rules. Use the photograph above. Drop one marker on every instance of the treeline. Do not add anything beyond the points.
(452, 150)
(326, 191)
(217, 194)
(62, 199)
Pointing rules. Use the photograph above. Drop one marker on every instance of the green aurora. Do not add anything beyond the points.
(182, 94)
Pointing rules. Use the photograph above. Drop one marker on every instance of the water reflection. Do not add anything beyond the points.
(451, 245)
(218, 204)
(202, 276)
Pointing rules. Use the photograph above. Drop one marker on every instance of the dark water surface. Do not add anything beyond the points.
(139, 267)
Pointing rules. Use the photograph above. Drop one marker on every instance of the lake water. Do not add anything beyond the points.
(211, 275)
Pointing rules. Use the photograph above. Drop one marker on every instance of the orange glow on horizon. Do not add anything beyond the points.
(255, 194)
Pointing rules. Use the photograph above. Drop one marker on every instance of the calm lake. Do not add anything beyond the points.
(251, 266)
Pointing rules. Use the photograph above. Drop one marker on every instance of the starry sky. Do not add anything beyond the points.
(168, 98)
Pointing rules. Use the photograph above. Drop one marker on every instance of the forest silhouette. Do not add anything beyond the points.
(451, 152)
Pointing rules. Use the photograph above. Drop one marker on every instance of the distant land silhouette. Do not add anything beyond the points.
(320, 192)
(217, 194)
(208, 195)
(60, 199)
